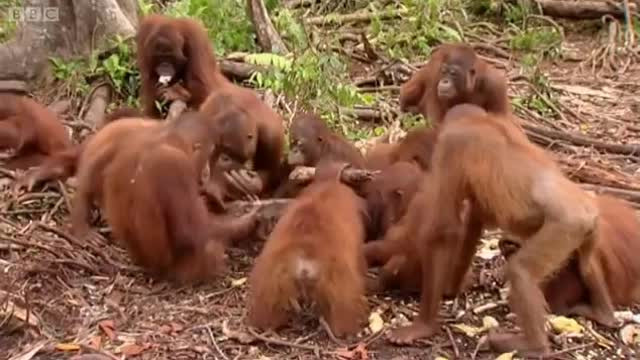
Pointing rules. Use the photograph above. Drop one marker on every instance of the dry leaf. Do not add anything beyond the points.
(30, 353)
(489, 322)
(441, 358)
(489, 249)
(470, 331)
(375, 322)
(108, 327)
(201, 349)
(132, 349)
(627, 316)
(90, 357)
(565, 325)
(20, 313)
(67, 347)
(176, 327)
(506, 356)
(95, 342)
(358, 353)
(630, 334)
(362, 351)
(238, 282)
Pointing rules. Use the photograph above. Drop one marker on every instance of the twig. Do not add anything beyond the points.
(392, 88)
(478, 345)
(568, 350)
(215, 343)
(456, 351)
(72, 240)
(496, 50)
(585, 141)
(329, 332)
(279, 342)
(364, 114)
(630, 195)
(97, 351)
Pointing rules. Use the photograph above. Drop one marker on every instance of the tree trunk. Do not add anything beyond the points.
(268, 37)
(62, 28)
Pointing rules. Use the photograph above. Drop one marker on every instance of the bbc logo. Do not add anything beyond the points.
(34, 14)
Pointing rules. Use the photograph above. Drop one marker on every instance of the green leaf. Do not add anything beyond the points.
(266, 59)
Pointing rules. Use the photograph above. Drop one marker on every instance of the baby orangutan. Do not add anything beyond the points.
(454, 75)
(315, 254)
(32, 130)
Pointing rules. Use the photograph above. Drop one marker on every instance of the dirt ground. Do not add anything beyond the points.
(60, 296)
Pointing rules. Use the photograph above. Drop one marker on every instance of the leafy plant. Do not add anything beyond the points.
(7, 18)
(410, 121)
(147, 7)
(228, 24)
(539, 40)
(422, 25)
(290, 29)
(516, 13)
(117, 66)
(311, 79)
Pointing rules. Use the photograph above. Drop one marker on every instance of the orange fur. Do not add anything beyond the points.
(515, 186)
(314, 253)
(31, 129)
(454, 75)
(182, 45)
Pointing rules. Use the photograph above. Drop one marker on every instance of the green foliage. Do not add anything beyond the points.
(290, 29)
(410, 121)
(7, 22)
(228, 24)
(269, 60)
(539, 99)
(312, 79)
(483, 7)
(422, 25)
(516, 13)
(147, 7)
(117, 67)
(536, 40)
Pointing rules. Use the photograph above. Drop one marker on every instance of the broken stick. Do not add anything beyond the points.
(176, 108)
(303, 174)
(98, 102)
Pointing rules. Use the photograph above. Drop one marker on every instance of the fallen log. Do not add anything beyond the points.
(237, 70)
(16, 86)
(583, 9)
